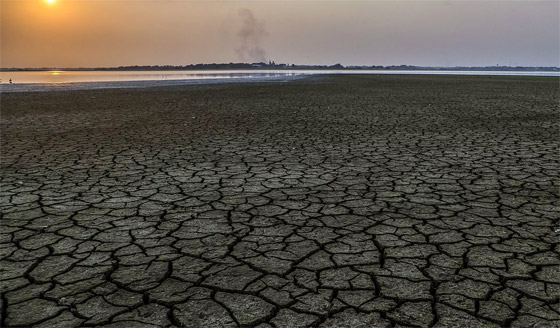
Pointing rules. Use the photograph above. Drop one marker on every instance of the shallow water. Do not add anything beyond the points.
(106, 76)
(118, 76)
(62, 86)
(71, 80)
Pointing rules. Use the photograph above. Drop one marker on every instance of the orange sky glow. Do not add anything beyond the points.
(70, 33)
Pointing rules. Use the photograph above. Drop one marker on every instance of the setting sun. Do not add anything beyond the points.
(49, 1)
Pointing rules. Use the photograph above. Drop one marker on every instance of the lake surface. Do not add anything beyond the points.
(115, 76)
(69, 80)
(111, 76)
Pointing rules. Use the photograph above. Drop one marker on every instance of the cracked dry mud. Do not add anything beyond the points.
(347, 201)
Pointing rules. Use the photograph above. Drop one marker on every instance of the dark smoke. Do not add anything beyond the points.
(252, 32)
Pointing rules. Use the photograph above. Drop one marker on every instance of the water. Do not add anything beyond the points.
(56, 80)
(117, 76)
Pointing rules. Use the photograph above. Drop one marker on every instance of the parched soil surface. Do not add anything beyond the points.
(339, 201)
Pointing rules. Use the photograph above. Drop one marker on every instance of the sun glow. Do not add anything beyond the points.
(49, 1)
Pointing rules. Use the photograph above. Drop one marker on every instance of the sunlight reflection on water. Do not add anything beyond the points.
(113, 76)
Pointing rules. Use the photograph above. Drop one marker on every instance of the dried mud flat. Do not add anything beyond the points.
(343, 201)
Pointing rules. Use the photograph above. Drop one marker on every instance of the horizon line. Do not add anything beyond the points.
(272, 64)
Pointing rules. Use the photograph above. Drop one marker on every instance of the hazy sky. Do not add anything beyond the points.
(72, 33)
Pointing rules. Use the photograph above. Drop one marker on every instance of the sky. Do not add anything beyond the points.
(105, 33)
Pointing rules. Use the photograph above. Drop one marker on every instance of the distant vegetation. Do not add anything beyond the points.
(272, 65)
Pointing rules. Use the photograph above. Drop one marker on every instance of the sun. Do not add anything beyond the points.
(49, 1)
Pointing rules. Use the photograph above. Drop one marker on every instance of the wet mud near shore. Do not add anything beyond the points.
(332, 201)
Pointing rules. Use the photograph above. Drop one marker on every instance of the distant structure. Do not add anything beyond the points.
(10, 81)
(270, 64)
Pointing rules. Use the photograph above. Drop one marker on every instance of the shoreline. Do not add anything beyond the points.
(140, 84)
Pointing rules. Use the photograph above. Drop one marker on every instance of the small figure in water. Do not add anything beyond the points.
(10, 81)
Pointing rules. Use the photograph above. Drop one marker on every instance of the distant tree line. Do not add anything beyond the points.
(272, 65)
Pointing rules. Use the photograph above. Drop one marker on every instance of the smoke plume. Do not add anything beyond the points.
(251, 34)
